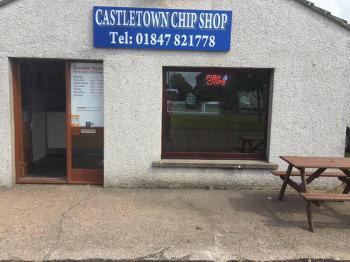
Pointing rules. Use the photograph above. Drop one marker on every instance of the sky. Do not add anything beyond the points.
(340, 8)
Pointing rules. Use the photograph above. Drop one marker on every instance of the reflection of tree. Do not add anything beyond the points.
(254, 82)
(178, 82)
(226, 95)
(257, 84)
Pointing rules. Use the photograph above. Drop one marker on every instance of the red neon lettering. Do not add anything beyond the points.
(216, 80)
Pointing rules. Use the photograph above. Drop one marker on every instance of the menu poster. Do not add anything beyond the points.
(87, 94)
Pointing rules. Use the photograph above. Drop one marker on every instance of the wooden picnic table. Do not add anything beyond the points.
(319, 163)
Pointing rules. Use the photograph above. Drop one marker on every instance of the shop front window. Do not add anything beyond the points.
(214, 113)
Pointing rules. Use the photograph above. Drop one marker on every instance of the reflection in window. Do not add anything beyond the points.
(87, 151)
(215, 113)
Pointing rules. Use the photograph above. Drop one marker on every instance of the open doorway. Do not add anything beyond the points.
(43, 117)
(58, 119)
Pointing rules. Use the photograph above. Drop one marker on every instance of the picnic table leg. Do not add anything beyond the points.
(304, 184)
(315, 175)
(346, 181)
(347, 189)
(309, 216)
(285, 182)
(303, 180)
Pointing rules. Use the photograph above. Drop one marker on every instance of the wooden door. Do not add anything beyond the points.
(82, 169)
(22, 113)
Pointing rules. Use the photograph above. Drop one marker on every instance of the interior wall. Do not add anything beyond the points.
(56, 130)
(39, 135)
(48, 107)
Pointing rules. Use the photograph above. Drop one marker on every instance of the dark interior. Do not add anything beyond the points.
(44, 111)
(215, 113)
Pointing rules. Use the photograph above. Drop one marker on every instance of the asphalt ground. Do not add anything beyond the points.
(56, 223)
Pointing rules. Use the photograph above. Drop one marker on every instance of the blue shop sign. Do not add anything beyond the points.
(168, 29)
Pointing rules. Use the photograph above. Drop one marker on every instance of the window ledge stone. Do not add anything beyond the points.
(223, 164)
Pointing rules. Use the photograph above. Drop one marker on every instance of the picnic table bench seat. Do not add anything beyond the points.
(325, 197)
(296, 173)
(309, 197)
(310, 177)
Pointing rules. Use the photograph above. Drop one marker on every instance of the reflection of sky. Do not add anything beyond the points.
(190, 77)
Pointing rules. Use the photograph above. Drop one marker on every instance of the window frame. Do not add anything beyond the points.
(212, 155)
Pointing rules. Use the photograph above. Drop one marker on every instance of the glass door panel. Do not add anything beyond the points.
(87, 150)
(85, 135)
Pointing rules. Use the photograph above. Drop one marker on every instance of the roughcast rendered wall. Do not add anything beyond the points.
(309, 54)
(6, 152)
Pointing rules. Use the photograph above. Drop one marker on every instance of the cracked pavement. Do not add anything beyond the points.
(48, 222)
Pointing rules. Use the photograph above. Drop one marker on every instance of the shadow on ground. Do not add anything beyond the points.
(287, 213)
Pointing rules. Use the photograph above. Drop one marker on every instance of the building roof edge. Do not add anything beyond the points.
(5, 2)
(324, 13)
(305, 3)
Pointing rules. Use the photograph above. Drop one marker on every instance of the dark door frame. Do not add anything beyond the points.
(18, 132)
(74, 176)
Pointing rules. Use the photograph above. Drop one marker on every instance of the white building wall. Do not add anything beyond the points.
(6, 124)
(310, 55)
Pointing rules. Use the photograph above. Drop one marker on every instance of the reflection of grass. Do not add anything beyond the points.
(226, 122)
(347, 154)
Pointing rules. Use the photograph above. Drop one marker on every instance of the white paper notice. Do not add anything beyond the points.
(87, 94)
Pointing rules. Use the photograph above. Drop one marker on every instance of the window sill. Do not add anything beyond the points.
(224, 164)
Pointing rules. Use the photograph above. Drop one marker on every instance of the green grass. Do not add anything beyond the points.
(216, 122)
